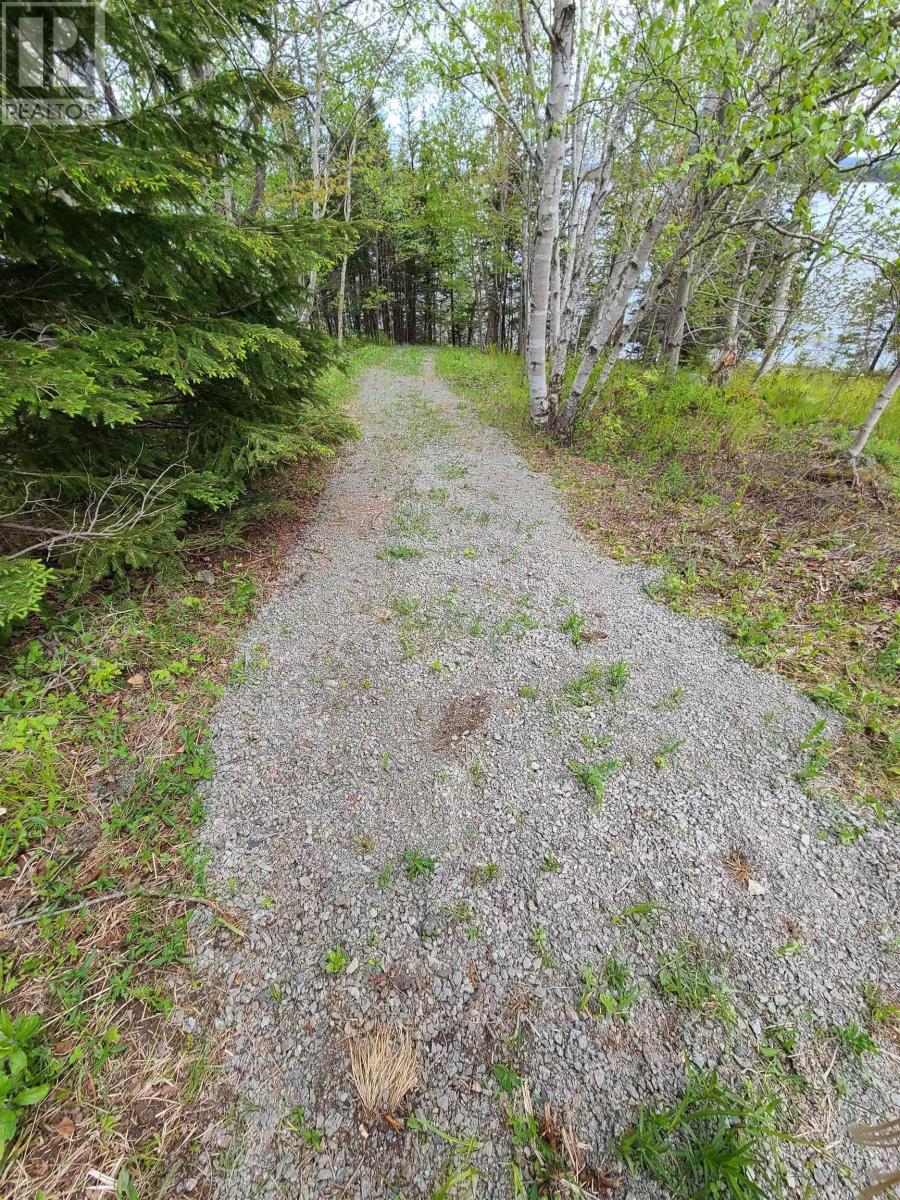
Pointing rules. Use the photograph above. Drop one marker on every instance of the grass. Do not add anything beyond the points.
(104, 729)
(607, 993)
(385, 1069)
(595, 684)
(714, 1144)
(593, 777)
(729, 492)
(696, 982)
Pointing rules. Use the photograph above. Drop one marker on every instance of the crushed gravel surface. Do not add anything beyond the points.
(409, 688)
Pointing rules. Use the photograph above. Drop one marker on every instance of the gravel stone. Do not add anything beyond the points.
(330, 764)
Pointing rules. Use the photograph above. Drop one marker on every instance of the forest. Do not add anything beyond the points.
(653, 245)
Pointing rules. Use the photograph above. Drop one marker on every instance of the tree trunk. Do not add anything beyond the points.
(562, 37)
(780, 309)
(614, 302)
(578, 263)
(884, 397)
(882, 345)
(342, 288)
(674, 335)
(731, 343)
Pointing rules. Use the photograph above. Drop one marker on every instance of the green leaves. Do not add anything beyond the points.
(26, 1071)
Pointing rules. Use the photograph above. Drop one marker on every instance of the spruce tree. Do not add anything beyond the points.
(152, 358)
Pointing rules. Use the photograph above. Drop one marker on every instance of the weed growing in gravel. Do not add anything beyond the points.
(665, 752)
(483, 874)
(460, 911)
(400, 551)
(547, 1155)
(714, 1144)
(738, 866)
(365, 843)
(817, 749)
(477, 773)
(642, 917)
(412, 521)
(586, 689)
(386, 879)
(336, 959)
(527, 692)
(591, 742)
(616, 677)
(854, 1039)
(454, 470)
(593, 777)
(672, 701)
(594, 683)
(459, 1168)
(696, 982)
(406, 606)
(778, 1051)
(519, 621)
(609, 993)
(438, 495)
(573, 627)
(424, 421)
(883, 1011)
(470, 553)
(550, 863)
(538, 940)
(417, 864)
(297, 1123)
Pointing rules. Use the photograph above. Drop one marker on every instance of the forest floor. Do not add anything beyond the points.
(474, 784)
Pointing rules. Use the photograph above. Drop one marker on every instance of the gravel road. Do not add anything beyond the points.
(449, 672)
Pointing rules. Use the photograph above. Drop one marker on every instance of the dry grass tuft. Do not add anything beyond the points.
(738, 865)
(384, 1068)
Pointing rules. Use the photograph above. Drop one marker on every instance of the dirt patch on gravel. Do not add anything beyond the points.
(461, 717)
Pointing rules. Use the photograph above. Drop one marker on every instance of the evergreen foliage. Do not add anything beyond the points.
(153, 356)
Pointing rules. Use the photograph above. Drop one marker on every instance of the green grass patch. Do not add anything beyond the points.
(714, 1144)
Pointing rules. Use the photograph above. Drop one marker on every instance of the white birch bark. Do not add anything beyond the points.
(884, 398)
(562, 35)
(342, 288)
(674, 335)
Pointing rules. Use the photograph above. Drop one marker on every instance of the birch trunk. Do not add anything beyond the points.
(614, 303)
(562, 37)
(731, 343)
(674, 335)
(342, 288)
(780, 310)
(578, 265)
(884, 397)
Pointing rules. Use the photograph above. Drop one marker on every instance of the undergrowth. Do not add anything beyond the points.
(104, 716)
(731, 493)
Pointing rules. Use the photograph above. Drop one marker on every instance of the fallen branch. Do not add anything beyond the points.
(136, 894)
